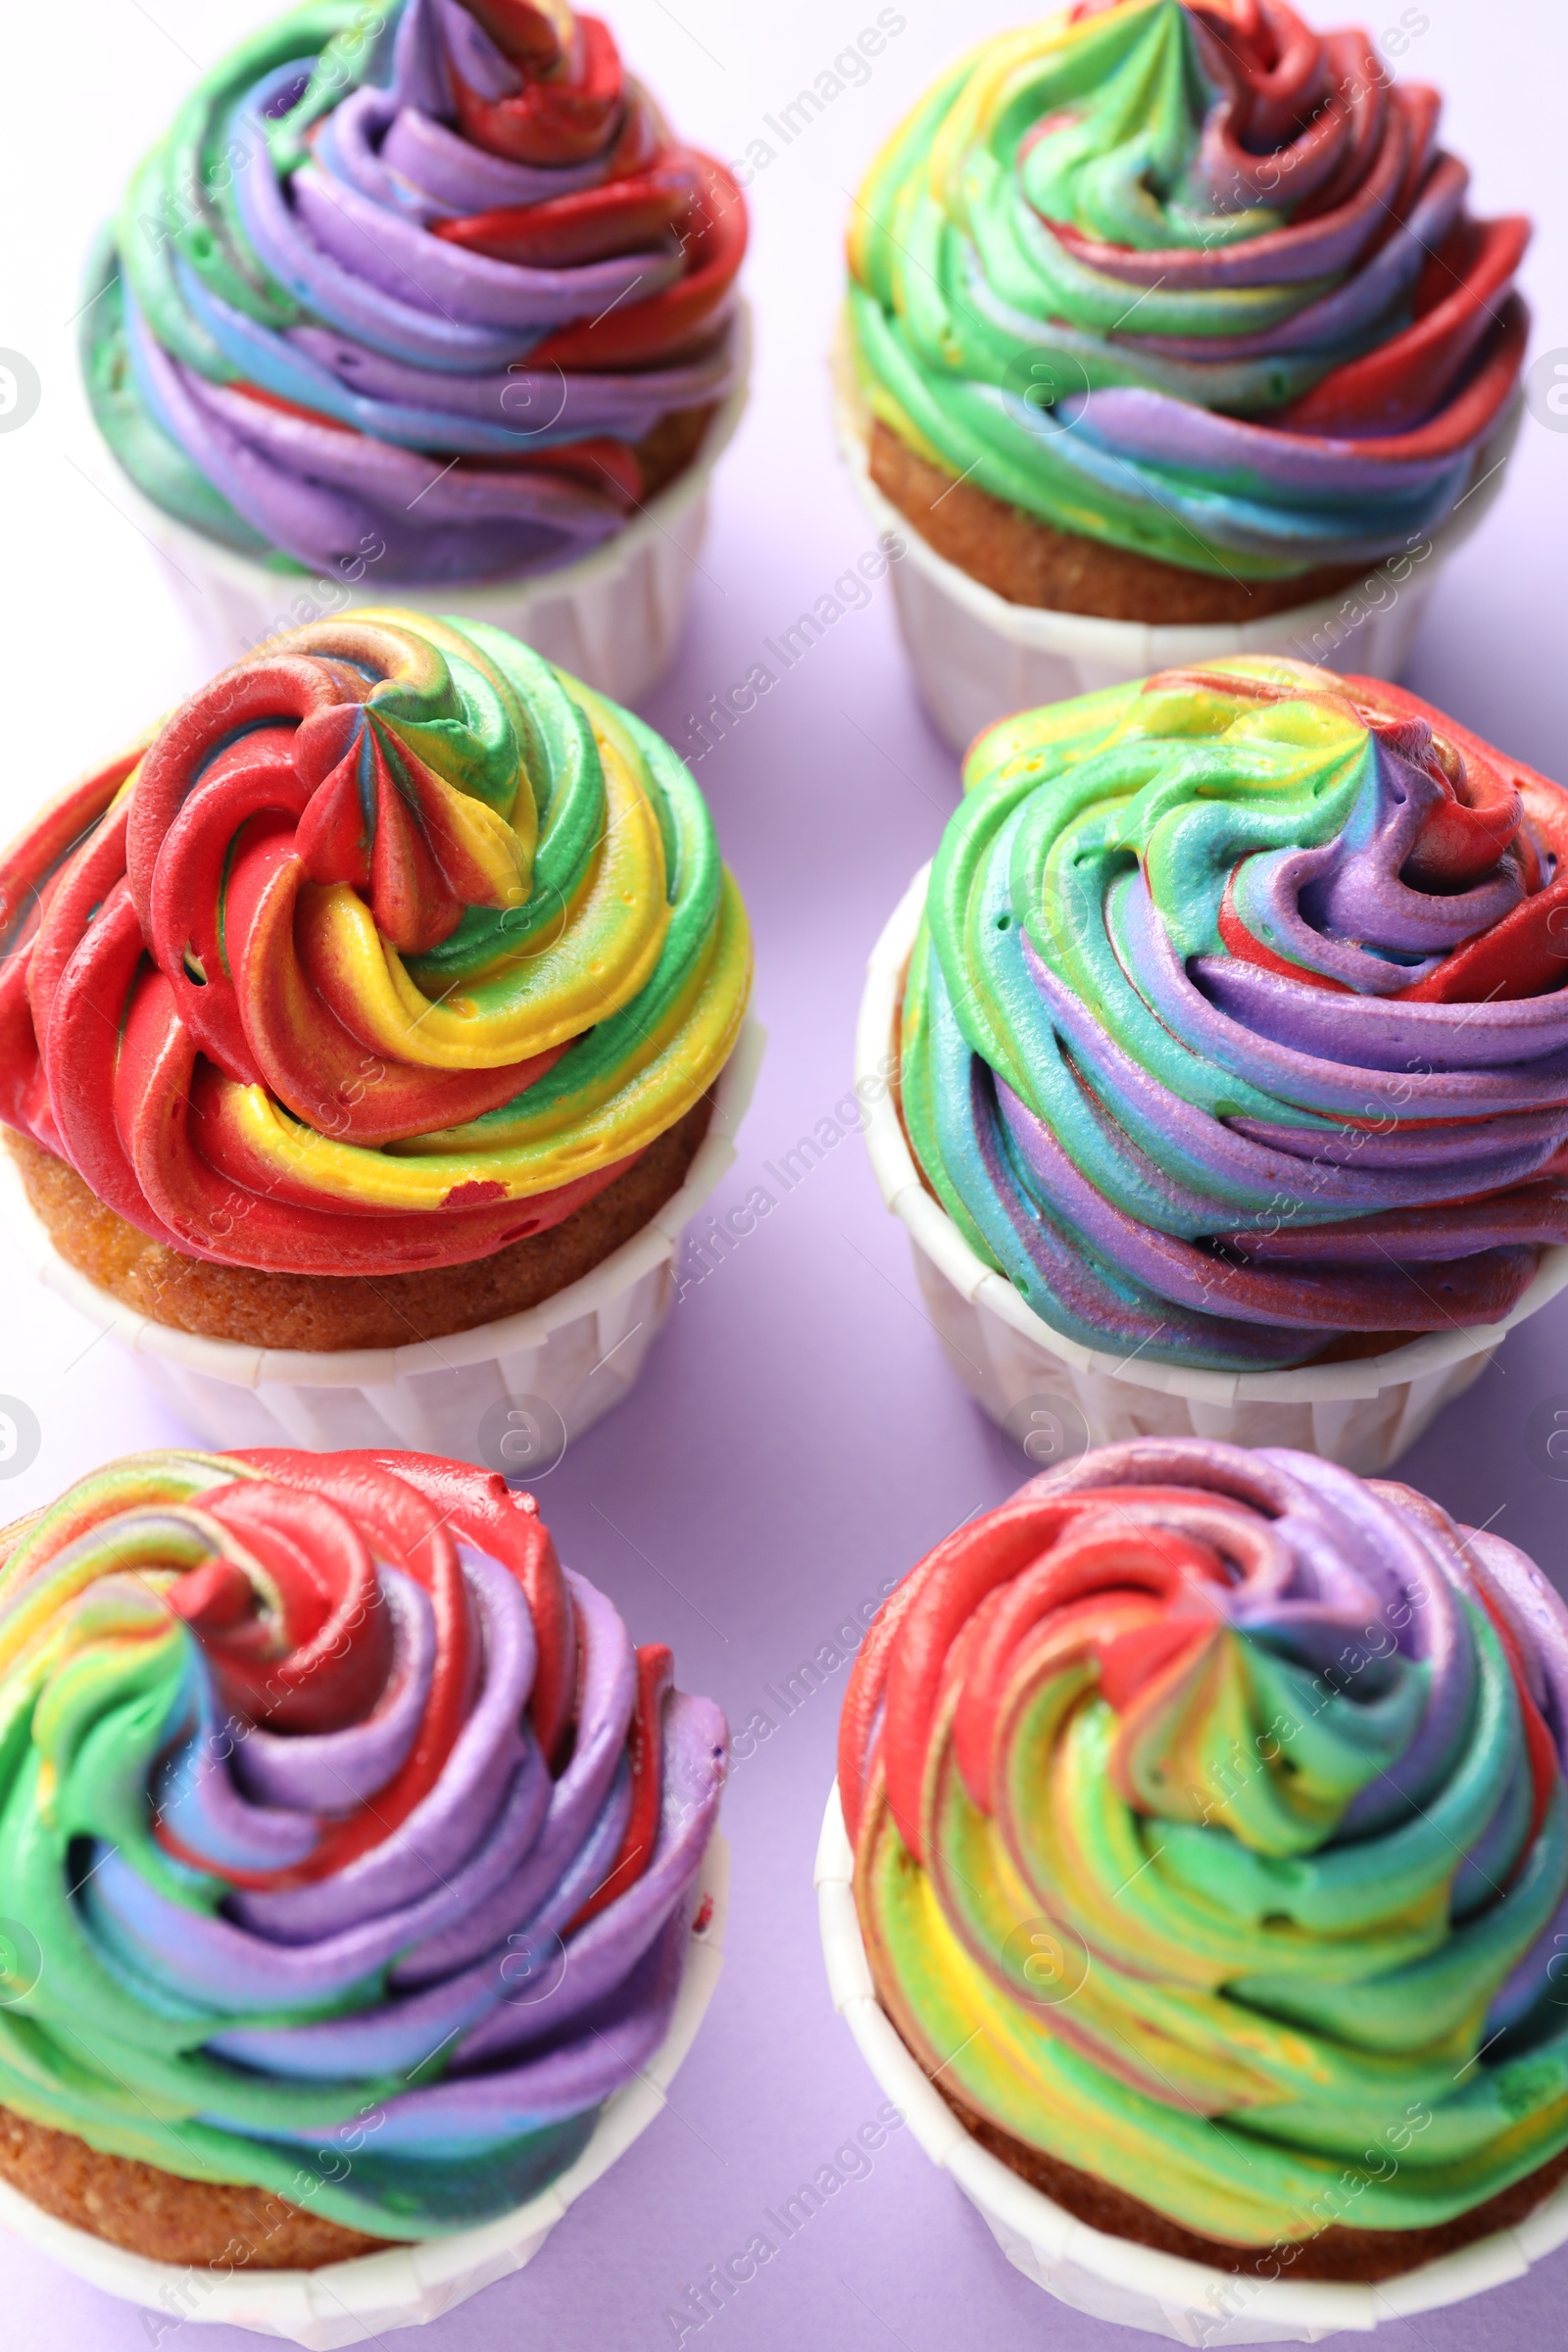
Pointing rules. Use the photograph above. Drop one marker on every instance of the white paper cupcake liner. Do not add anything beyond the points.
(613, 618)
(977, 657)
(353, 2302)
(555, 1368)
(1115, 2278)
(1055, 1397)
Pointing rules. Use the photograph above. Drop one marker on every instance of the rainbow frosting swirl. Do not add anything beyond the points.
(392, 946)
(1195, 280)
(1235, 1022)
(350, 1845)
(408, 287)
(1212, 1834)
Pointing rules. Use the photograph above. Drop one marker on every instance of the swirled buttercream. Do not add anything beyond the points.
(392, 946)
(1195, 280)
(348, 1843)
(1237, 1019)
(1212, 1834)
(410, 287)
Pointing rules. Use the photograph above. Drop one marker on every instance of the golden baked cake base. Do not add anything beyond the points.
(1031, 562)
(1341, 2251)
(157, 2215)
(332, 1312)
(670, 445)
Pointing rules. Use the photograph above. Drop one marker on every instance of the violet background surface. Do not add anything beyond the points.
(797, 1440)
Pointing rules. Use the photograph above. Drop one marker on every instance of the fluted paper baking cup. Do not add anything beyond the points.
(572, 1356)
(353, 2302)
(977, 657)
(1055, 1397)
(1116, 2277)
(613, 618)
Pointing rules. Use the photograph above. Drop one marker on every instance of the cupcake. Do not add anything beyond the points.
(1233, 1030)
(1208, 1820)
(351, 1853)
(415, 299)
(1175, 314)
(378, 995)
